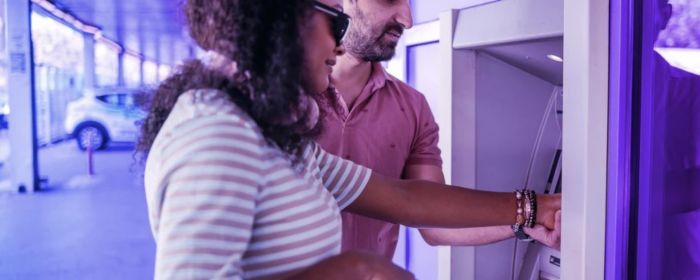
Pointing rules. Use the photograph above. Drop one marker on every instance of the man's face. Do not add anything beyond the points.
(377, 26)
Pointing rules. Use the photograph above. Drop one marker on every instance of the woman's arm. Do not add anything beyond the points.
(475, 235)
(426, 204)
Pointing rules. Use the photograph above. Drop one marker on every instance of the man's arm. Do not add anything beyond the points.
(454, 237)
(477, 235)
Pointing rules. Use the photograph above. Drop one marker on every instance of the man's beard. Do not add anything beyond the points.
(368, 44)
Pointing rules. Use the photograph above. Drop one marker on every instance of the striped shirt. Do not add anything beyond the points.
(225, 204)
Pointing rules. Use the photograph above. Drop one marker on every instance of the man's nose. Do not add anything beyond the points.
(404, 17)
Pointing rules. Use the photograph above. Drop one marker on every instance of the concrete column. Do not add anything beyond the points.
(120, 70)
(141, 80)
(158, 60)
(89, 62)
(22, 164)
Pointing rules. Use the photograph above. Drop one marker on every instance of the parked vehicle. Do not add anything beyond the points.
(103, 117)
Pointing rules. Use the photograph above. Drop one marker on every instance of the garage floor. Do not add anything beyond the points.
(78, 227)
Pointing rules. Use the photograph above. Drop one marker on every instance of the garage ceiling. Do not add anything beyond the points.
(153, 28)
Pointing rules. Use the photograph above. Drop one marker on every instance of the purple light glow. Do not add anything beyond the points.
(653, 220)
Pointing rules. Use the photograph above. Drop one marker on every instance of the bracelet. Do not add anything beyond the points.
(526, 208)
(519, 210)
(521, 214)
(530, 208)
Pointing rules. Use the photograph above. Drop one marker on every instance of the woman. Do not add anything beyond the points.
(236, 187)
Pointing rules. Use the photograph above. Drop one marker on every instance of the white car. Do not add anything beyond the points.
(103, 117)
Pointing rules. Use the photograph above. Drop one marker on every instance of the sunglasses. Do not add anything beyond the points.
(339, 20)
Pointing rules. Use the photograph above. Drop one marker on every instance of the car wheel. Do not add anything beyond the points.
(91, 135)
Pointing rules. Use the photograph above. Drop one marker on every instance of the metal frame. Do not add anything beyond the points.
(586, 45)
(585, 162)
(619, 142)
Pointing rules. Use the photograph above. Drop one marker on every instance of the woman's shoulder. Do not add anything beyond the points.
(211, 111)
(207, 102)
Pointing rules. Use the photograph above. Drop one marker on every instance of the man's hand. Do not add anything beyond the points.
(549, 238)
(547, 206)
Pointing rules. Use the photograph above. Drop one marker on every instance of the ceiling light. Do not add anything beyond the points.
(555, 58)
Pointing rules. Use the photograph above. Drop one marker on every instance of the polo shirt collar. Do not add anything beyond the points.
(378, 77)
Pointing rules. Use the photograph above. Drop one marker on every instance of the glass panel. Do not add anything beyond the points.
(106, 64)
(56, 44)
(677, 91)
(163, 72)
(132, 70)
(150, 72)
(58, 64)
(669, 198)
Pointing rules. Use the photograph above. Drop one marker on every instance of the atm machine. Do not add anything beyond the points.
(518, 130)
(489, 73)
(504, 76)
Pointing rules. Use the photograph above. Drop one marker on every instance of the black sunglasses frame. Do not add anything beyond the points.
(339, 21)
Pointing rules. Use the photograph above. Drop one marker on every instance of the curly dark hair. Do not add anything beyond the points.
(263, 38)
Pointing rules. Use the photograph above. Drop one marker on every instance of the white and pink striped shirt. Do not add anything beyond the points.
(225, 204)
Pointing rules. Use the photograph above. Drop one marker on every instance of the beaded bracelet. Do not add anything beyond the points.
(530, 208)
(526, 208)
(520, 220)
(519, 210)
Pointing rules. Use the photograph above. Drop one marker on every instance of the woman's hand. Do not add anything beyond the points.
(355, 265)
(547, 206)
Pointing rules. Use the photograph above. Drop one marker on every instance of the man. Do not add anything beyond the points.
(386, 125)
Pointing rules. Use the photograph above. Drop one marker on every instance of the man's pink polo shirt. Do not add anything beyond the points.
(390, 127)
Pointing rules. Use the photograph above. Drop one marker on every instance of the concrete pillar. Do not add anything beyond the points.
(141, 80)
(120, 70)
(89, 62)
(22, 164)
